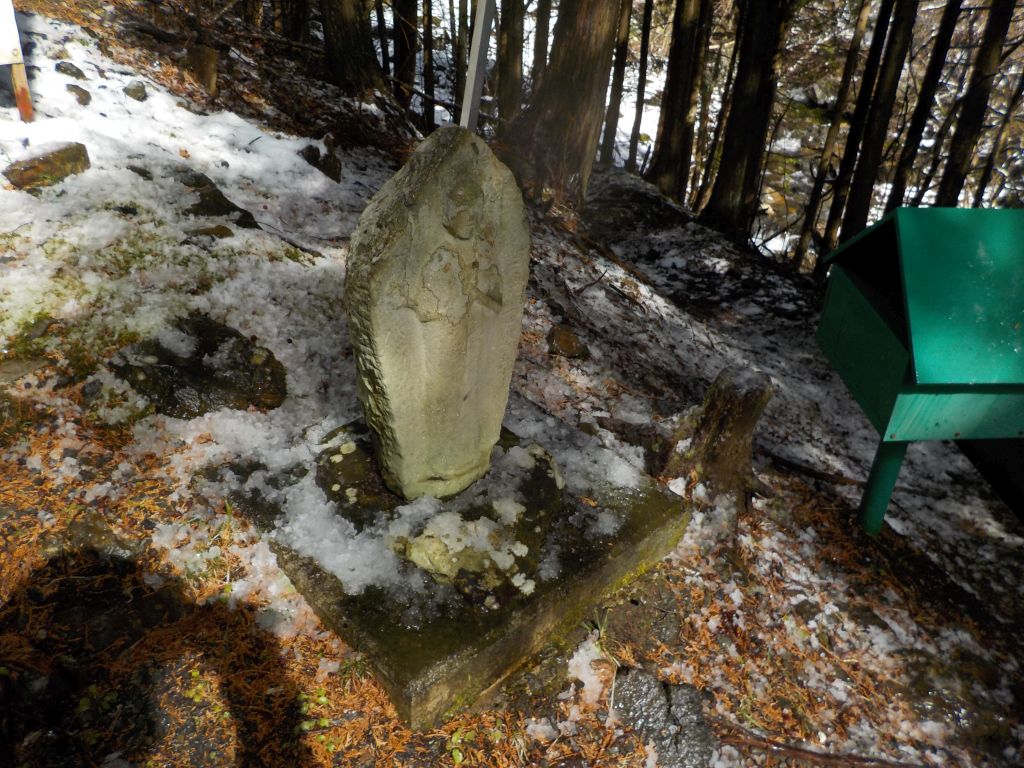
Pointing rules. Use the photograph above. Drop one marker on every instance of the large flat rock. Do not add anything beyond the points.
(437, 649)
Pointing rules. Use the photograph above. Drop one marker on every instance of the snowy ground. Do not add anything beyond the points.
(803, 631)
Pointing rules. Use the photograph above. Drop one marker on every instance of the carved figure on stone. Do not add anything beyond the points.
(435, 289)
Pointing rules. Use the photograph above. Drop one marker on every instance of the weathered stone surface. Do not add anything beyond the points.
(435, 289)
(562, 340)
(51, 164)
(68, 69)
(136, 89)
(211, 367)
(437, 649)
(212, 202)
(82, 96)
(669, 717)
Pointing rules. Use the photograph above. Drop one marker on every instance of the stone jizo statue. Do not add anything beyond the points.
(435, 289)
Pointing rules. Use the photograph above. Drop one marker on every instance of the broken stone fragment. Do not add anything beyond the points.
(136, 90)
(562, 340)
(207, 366)
(68, 69)
(669, 717)
(82, 96)
(435, 290)
(50, 164)
(212, 202)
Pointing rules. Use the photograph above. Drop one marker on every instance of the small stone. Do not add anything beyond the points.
(562, 340)
(82, 96)
(50, 164)
(141, 172)
(136, 90)
(217, 232)
(348, 448)
(70, 70)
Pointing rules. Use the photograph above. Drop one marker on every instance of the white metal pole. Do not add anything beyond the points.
(477, 63)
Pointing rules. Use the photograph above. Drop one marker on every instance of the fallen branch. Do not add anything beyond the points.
(741, 737)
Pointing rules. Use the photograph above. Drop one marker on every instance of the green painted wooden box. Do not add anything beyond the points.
(924, 321)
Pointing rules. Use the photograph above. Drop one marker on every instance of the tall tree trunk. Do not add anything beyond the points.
(403, 12)
(611, 118)
(641, 85)
(351, 59)
(841, 186)
(862, 186)
(461, 54)
(705, 84)
(552, 144)
(999, 143)
(710, 166)
(923, 110)
(382, 35)
(843, 95)
(291, 19)
(733, 203)
(540, 42)
(938, 153)
(428, 66)
(671, 164)
(510, 60)
(975, 103)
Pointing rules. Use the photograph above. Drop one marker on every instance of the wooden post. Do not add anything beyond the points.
(10, 53)
(477, 63)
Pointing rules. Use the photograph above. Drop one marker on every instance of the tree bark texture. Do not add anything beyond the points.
(351, 59)
(721, 434)
(611, 118)
(670, 167)
(975, 102)
(711, 163)
(404, 15)
(862, 185)
(540, 42)
(841, 186)
(734, 197)
(551, 145)
(510, 59)
(923, 109)
(842, 97)
(999, 144)
(645, 47)
(428, 65)
(460, 54)
(382, 35)
(291, 19)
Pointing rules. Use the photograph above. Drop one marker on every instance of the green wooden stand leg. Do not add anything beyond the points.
(881, 481)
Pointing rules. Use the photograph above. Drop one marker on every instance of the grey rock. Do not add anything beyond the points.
(435, 290)
(82, 96)
(223, 370)
(51, 165)
(669, 717)
(136, 89)
(70, 70)
(12, 370)
(212, 202)
(562, 340)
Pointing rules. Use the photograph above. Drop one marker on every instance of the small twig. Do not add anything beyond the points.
(222, 11)
(592, 283)
(751, 740)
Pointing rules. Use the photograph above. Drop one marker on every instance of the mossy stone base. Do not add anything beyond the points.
(435, 652)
